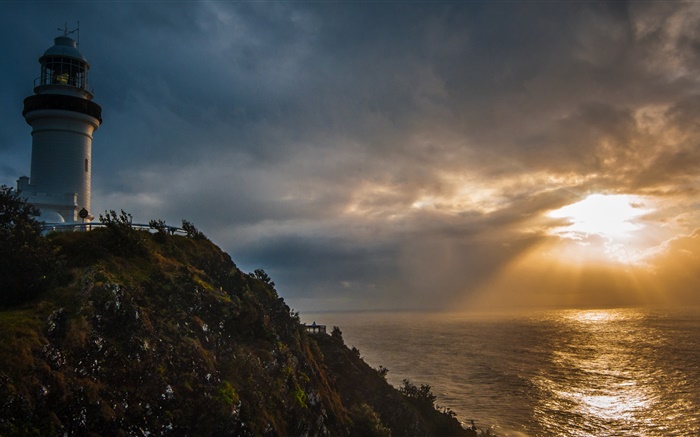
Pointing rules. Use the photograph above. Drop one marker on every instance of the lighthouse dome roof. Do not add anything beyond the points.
(53, 217)
(65, 47)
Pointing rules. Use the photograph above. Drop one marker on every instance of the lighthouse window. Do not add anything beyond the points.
(64, 71)
(86, 165)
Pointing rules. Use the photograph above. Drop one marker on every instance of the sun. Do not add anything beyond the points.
(611, 215)
(607, 224)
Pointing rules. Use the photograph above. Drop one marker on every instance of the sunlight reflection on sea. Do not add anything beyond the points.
(621, 372)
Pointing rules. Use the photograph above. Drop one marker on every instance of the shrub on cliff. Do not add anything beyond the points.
(367, 422)
(124, 239)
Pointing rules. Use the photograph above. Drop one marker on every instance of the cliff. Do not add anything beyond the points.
(156, 334)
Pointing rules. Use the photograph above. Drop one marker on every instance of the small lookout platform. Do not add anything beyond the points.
(315, 329)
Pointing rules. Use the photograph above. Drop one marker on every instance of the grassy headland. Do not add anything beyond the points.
(149, 333)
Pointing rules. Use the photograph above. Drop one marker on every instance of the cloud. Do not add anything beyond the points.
(384, 154)
(676, 266)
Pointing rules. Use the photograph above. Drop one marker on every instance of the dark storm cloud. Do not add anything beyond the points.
(371, 151)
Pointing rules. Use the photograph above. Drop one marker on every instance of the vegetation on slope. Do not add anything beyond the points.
(408, 412)
(155, 334)
(27, 262)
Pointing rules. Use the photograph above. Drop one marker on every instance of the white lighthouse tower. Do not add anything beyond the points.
(63, 117)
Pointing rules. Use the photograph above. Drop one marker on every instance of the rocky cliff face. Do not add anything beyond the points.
(154, 334)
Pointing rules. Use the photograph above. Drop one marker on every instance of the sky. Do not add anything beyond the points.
(423, 155)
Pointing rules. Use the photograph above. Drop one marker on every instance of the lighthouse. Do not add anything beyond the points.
(63, 117)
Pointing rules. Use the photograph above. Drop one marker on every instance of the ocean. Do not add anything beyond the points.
(611, 372)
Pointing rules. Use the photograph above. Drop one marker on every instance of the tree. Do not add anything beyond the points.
(422, 395)
(192, 231)
(159, 225)
(28, 263)
(263, 276)
(337, 334)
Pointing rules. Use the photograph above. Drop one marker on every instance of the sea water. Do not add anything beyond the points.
(612, 372)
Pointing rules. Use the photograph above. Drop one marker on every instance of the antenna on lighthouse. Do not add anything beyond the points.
(67, 32)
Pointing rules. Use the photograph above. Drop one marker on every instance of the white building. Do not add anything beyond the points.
(63, 117)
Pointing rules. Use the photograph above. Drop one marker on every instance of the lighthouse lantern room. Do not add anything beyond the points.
(63, 118)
